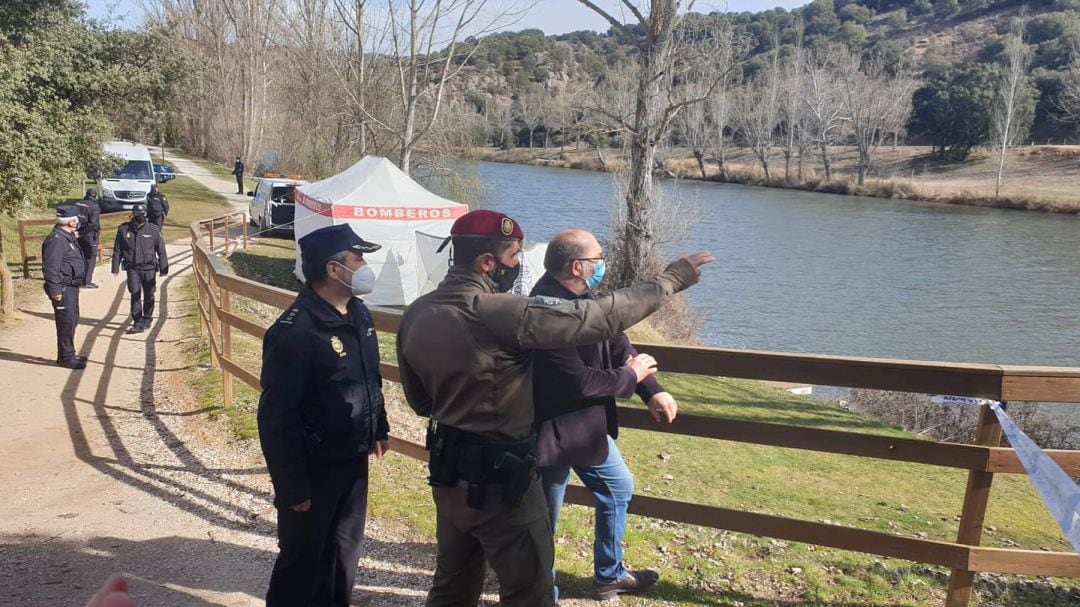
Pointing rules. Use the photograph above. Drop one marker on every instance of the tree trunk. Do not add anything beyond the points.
(787, 165)
(407, 137)
(1001, 168)
(7, 285)
(825, 161)
(864, 165)
(701, 163)
(530, 137)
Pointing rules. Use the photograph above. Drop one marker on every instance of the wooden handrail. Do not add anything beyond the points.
(965, 557)
(24, 238)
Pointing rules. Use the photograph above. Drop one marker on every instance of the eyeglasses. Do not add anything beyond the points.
(592, 259)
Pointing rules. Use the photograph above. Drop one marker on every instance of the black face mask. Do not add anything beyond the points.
(504, 276)
(138, 220)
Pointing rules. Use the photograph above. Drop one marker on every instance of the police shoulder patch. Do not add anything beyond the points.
(544, 300)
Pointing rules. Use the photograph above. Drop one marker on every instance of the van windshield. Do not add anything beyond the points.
(135, 169)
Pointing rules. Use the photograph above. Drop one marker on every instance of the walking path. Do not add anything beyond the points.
(114, 469)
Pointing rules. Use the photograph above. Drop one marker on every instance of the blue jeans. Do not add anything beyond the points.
(612, 485)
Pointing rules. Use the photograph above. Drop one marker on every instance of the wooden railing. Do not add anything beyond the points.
(25, 237)
(965, 557)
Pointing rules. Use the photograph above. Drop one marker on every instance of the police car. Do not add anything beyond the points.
(272, 206)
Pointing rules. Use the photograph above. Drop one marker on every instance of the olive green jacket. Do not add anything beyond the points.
(465, 351)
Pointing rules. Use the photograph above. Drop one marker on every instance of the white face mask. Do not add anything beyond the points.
(363, 280)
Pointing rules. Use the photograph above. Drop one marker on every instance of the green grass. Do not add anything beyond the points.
(703, 566)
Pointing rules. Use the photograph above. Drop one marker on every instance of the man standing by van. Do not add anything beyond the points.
(89, 233)
(238, 170)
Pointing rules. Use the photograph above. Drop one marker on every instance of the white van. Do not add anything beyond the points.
(131, 183)
(272, 206)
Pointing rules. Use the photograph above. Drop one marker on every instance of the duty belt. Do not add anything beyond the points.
(460, 457)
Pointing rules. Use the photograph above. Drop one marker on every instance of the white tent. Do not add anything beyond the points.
(383, 205)
(435, 265)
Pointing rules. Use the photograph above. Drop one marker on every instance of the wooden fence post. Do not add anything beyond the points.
(976, 498)
(246, 224)
(226, 236)
(211, 235)
(226, 352)
(200, 294)
(22, 249)
(215, 325)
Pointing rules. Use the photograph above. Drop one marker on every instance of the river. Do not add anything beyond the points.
(830, 274)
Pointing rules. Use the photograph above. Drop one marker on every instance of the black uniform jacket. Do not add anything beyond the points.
(62, 262)
(89, 220)
(595, 374)
(157, 205)
(322, 392)
(139, 247)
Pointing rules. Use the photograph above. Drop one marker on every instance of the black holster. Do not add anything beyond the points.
(460, 457)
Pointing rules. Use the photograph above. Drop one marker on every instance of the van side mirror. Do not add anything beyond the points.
(251, 193)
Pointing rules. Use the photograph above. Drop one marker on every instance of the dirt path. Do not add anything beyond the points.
(110, 469)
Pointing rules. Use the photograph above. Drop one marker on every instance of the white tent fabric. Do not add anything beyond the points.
(383, 205)
(435, 265)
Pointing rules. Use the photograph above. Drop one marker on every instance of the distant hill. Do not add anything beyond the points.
(926, 36)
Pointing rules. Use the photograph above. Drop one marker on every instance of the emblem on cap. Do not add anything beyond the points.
(335, 343)
(507, 226)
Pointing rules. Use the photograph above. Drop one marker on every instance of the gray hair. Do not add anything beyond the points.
(63, 221)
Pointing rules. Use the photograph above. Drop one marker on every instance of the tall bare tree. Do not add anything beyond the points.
(666, 51)
(757, 112)
(876, 99)
(792, 112)
(1067, 101)
(822, 102)
(1006, 117)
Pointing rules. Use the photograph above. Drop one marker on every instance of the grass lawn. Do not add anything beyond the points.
(703, 566)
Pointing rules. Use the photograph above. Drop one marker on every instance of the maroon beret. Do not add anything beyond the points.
(487, 224)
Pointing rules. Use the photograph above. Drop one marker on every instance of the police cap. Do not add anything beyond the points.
(138, 209)
(67, 212)
(324, 243)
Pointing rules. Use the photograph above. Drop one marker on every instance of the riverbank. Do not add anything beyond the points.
(1038, 178)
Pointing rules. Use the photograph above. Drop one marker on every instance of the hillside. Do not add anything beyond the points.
(927, 37)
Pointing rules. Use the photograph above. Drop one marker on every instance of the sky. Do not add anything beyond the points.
(551, 16)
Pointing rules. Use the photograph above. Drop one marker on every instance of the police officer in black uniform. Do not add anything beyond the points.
(64, 267)
(157, 207)
(320, 416)
(89, 233)
(140, 250)
(238, 171)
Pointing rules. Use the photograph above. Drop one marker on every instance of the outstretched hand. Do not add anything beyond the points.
(699, 259)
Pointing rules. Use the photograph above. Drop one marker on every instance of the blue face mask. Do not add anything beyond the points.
(599, 268)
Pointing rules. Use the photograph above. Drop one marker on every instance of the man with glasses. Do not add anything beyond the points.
(574, 390)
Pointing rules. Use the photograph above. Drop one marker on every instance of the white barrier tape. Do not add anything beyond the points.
(1060, 494)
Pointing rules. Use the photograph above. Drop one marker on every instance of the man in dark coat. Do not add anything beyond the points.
(89, 233)
(140, 251)
(238, 171)
(64, 267)
(321, 415)
(594, 375)
(157, 207)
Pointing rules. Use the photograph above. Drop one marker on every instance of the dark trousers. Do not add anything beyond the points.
(89, 251)
(158, 220)
(66, 313)
(516, 542)
(239, 184)
(320, 548)
(142, 285)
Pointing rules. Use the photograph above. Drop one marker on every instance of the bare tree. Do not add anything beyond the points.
(666, 52)
(757, 111)
(693, 125)
(824, 111)
(1005, 116)
(792, 113)
(530, 106)
(1067, 102)
(876, 99)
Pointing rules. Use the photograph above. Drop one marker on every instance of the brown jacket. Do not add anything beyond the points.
(465, 350)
